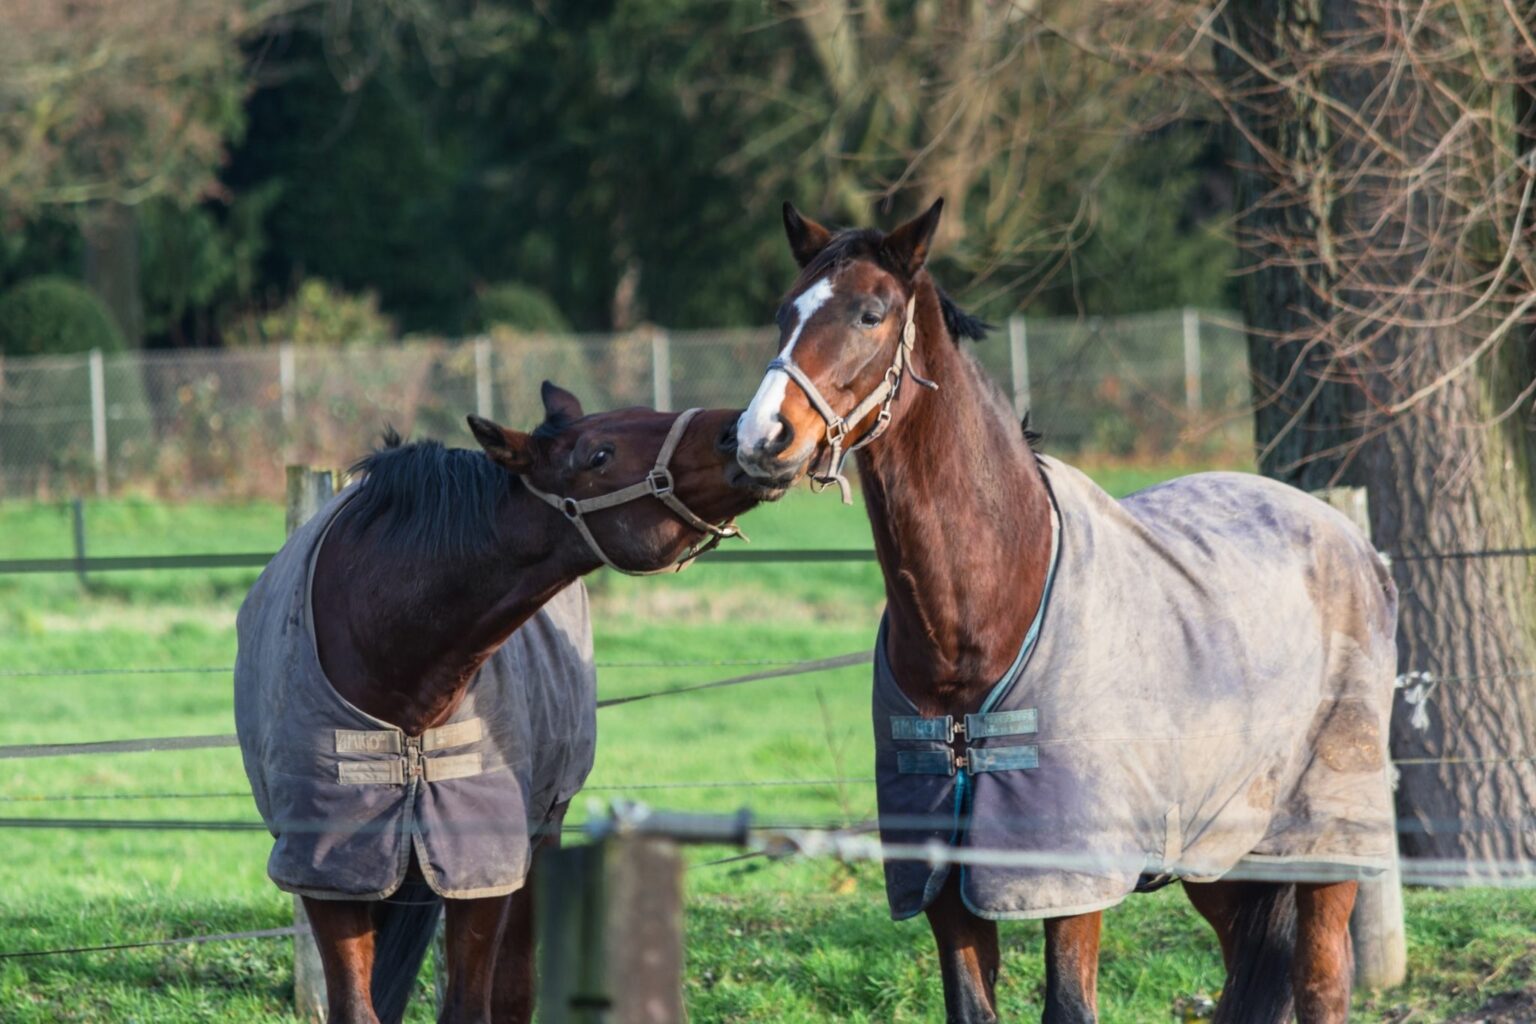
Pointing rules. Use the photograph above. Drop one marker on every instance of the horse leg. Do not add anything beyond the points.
(1072, 969)
(343, 931)
(513, 990)
(1324, 967)
(968, 957)
(474, 930)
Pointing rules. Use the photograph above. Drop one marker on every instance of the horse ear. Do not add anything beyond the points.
(560, 406)
(806, 237)
(507, 448)
(907, 246)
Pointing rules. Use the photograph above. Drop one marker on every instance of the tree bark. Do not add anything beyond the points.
(1306, 411)
(1397, 286)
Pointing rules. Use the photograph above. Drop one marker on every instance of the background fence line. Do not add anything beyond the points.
(231, 418)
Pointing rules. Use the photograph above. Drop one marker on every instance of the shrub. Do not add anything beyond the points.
(321, 314)
(55, 315)
(521, 307)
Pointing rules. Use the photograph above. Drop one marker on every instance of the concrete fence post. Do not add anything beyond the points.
(1192, 397)
(308, 491)
(1376, 927)
(288, 382)
(485, 394)
(1018, 358)
(661, 370)
(98, 377)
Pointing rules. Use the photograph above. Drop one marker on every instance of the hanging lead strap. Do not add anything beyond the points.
(884, 396)
(658, 483)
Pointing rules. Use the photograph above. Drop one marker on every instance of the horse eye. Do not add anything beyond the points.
(871, 319)
(600, 458)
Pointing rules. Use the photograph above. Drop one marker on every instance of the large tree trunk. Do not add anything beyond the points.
(1386, 280)
(1306, 406)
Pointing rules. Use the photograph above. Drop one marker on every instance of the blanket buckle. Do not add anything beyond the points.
(413, 757)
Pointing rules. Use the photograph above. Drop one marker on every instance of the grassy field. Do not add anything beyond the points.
(780, 942)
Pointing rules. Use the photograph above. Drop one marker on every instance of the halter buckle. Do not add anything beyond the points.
(570, 508)
(660, 481)
(836, 432)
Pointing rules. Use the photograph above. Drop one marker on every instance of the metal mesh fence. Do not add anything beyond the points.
(227, 421)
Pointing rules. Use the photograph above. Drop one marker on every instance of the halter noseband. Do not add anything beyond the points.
(883, 396)
(658, 483)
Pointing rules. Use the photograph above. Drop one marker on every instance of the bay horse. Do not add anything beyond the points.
(1200, 674)
(414, 688)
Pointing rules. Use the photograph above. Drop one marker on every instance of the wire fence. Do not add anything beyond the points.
(838, 839)
(231, 419)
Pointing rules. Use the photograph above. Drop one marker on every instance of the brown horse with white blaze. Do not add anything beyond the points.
(970, 527)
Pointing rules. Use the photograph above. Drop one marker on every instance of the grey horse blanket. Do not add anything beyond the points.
(348, 796)
(1207, 686)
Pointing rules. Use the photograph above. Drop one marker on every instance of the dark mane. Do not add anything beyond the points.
(430, 499)
(960, 323)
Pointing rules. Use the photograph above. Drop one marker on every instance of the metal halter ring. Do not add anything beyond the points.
(660, 481)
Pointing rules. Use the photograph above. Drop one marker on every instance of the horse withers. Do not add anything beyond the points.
(414, 690)
(1089, 696)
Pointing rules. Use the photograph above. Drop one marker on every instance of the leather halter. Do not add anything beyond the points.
(658, 483)
(884, 396)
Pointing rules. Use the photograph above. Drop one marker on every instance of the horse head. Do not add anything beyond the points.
(846, 344)
(646, 491)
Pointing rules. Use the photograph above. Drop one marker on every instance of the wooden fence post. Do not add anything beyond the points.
(610, 922)
(1380, 937)
(308, 491)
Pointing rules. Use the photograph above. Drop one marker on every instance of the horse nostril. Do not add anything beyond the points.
(782, 439)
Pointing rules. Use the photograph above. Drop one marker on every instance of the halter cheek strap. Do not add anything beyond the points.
(658, 483)
(883, 397)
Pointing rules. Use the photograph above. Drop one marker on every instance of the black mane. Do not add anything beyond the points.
(430, 499)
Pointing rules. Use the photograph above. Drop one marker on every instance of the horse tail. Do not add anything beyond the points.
(1258, 987)
(403, 928)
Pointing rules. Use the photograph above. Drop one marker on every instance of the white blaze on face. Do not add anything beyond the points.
(759, 425)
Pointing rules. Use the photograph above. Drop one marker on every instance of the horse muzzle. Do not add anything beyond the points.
(758, 470)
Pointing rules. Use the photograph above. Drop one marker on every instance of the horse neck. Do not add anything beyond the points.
(962, 527)
(401, 635)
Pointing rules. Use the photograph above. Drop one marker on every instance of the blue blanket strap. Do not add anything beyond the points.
(1001, 759)
(1002, 723)
(925, 762)
(915, 727)
(987, 725)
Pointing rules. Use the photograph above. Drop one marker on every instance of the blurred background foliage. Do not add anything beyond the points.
(252, 168)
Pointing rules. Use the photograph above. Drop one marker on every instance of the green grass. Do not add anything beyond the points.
(790, 941)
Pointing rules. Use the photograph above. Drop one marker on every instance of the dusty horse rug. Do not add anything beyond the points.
(1207, 685)
(348, 796)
